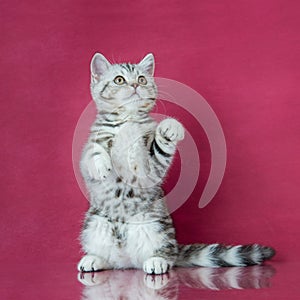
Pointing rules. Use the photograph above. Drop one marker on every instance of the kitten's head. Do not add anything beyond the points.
(123, 88)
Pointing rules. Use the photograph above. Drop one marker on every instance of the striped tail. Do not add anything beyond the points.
(218, 255)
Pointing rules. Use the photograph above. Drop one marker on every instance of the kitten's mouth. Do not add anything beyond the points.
(135, 96)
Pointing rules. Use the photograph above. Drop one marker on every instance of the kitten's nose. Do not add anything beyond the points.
(135, 85)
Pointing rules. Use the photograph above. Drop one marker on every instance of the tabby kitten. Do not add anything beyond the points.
(123, 164)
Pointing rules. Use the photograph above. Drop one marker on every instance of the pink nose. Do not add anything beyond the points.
(135, 85)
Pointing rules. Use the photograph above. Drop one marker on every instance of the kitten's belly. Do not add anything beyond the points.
(122, 245)
(128, 135)
(129, 153)
(102, 238)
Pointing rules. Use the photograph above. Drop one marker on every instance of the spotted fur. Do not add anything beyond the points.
(124, 164)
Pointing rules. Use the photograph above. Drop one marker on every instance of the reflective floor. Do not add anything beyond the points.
(60, 281)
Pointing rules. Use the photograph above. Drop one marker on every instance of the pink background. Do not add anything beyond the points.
(242, 56)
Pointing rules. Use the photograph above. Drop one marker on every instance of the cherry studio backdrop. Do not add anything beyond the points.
(241, 56)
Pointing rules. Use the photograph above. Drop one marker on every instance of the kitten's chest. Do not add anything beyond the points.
(129, 134)
(129, 153)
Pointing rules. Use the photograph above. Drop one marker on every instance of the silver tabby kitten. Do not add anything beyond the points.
(123, 164)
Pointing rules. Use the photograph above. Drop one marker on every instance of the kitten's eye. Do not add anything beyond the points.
(119, 80)
(142, 80)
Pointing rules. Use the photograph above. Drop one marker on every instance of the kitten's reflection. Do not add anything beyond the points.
(134, 284)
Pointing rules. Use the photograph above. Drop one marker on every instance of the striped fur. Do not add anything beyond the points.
(217, 255)
(124, 163)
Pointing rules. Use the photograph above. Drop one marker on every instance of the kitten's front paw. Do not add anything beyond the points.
(171, 130)
(100, 166)
(90, 263)
(156, 265)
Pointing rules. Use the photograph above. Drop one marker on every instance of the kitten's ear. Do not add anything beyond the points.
(99, 65)
(147, 64)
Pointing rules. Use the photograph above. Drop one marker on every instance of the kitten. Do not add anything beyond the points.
(123, 164)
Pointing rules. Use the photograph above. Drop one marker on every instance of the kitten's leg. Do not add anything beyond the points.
(95, 162)
(97, 243)
(164, 257)
(152, 245)
(163, 147)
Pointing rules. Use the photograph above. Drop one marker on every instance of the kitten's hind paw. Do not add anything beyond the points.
(91, 263)
(156, 265)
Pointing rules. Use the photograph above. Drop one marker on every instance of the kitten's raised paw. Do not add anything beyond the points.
(171, 130)
(91, 263)
(156, 265)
